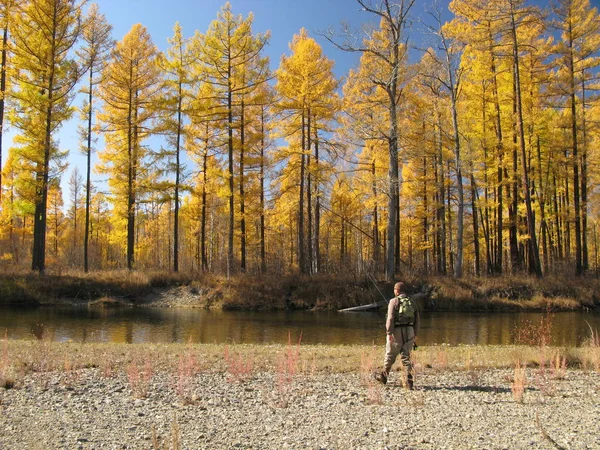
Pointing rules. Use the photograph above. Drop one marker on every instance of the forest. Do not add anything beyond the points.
(480, 157)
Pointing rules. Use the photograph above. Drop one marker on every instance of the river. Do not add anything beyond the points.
(165, 325)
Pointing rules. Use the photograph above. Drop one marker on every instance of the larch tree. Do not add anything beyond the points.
(388, 47)
(44, 38)
(225, 52)
(481, 28)
(76, 188)
(501, 30)
(264, 112)
(130, 85)
(175, 107)
(249, 78)
(306, 89)
(447, 56)
(577, 51)
(8, 213)
(56, 217)
(94, 54)
(8, 15)
(203, 136)
(517, 15)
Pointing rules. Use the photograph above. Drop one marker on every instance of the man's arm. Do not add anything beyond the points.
(389, 323)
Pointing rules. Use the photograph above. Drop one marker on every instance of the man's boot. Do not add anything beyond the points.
(382, 377)
(410, 382)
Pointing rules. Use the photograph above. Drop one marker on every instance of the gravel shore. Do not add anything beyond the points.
(448, 410)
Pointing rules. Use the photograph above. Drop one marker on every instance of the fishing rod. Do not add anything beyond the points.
(377, 287)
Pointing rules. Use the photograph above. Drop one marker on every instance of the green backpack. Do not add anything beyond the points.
(406, 311)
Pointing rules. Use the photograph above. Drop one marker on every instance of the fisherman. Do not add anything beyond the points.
(402, 326)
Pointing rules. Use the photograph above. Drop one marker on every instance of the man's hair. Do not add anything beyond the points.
(400, 286)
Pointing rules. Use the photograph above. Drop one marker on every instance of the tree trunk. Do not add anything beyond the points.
(425, 221)
(88, 178)
(534, 255)
(584, 183)
(42, 177)
(475, 226)
(393, 182)
(263, 259)
(513, 208)
(204, 258)
(301, 249)
(542, 203)
(317, 238)
(498, 262)
(242, 193)
(177, 183)
(309, 236)
(2, 96)
(458, 267)
(230, 168)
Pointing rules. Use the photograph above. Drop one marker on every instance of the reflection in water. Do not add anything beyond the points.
(134, 325)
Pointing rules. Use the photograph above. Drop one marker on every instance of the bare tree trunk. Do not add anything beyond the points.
(475, 226)
(425, 221)
(230, 168)
(204, 258)
(301, 248)
(309, 236)
(584, 183)
(177, 182)
(242, 193)
(534, 264)
(2, 96)
(498, 263)
(263, 260)
(317, 238)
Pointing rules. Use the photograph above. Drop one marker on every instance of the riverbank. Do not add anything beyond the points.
(84, 396)
(260, 293)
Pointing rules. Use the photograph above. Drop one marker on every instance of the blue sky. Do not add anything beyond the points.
(283, 18)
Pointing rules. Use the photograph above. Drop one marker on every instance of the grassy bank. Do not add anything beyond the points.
(269, 292)
(239, 362)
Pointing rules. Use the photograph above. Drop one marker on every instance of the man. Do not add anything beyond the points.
(402, 326)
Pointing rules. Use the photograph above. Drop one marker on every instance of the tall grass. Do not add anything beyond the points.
(519, 382)
(240, 365)
(25, 357)
(139, 376)
(187, 368)
(174, 443)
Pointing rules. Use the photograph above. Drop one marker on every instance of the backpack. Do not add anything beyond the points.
(406, 311)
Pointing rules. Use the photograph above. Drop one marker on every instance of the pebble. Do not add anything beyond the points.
(313, 412)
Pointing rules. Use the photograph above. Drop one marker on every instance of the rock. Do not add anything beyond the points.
(445, 411)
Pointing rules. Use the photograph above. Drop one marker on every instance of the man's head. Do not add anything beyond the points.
(398, 288)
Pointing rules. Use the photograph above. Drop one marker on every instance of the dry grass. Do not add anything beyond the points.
(323, 292)
(240, 364)
(140, 361)
(174, 443)
(187, 368)
(515, 292)
(139, 376)
(519, 382)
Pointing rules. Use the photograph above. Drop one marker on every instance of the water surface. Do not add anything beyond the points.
(165, 325)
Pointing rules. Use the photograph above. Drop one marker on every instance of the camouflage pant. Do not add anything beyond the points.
(404, 339)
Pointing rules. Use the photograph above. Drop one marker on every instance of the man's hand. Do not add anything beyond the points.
(390, 338)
